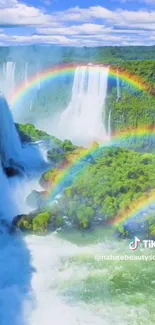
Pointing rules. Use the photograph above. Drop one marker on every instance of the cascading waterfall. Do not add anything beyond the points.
(10, 145)
(84, 119)
(13, 74)
(17, 276)
(31, 105)
(118, 86)
(38, 85)
(109, 124)
(26, 73)
(7, 78)
(14, 155)
(16, 269)
(44, 279)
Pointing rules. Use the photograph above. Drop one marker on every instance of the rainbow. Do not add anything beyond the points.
(135, 208)
(119, 136)
(65, 70)
(67, 172)
(77, 161)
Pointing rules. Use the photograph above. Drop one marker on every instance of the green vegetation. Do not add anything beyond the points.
(145, 69)
(132, 111)
(65, 54)
(35, 134)
(115, 177)
(39, 222)
(105, 188)
(36, 223)
(68, 146)
(135, 108)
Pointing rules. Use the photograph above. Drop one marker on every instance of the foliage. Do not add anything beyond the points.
(36, 223)
(104, 189)
(107, 187)
(35, 134)
(142, 68)
(132, 111)
(68, 146)
(40, 222)
(135, 108)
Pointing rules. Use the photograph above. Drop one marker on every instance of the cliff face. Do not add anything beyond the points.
(135, 107)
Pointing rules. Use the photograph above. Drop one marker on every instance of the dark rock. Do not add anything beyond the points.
(18, 221)
(10, 171)
(37, 199)
(5, 227)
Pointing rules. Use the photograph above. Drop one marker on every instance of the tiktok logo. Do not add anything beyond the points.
(134, 244)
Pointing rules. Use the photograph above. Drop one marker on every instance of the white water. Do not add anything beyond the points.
(49, 255)
(26, 73)
(13, 154)
(7, 78)
(25, 160)
(43, 280)
(84, 119)
(31, 104)
(109, 124)
(30, 267)
(30, 275)
(36, 271)
(10, 146)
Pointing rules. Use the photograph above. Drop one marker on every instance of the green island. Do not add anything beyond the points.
(74, 211)
(106, 181)
(102, 184)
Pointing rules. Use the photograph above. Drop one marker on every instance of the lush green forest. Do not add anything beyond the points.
(107, 182)
(107, 54)
(135, 108)
(143, 68)
(99, 187)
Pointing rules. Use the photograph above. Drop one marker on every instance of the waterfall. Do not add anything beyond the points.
(10, 146)
(118, 86)
(31, 105)
(26, 73)
(15, 259)
(7, 78)
(83, 121)
(24, 160)
(7, 205)
(38, 84)
(109, 124)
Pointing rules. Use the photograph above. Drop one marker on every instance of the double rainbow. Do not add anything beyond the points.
(65, 173)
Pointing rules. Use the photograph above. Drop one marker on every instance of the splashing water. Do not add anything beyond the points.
(84, 119)
(46, 280)
(7, 78)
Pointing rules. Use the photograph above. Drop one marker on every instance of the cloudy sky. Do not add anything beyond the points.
(77, 22)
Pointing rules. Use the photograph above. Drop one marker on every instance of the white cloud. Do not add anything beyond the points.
(78, 26)
(73, 30)
(80, 40)
(13, 12)
(119, 16)
(150, 2)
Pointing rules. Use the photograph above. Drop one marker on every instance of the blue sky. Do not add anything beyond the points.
(77, 22)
